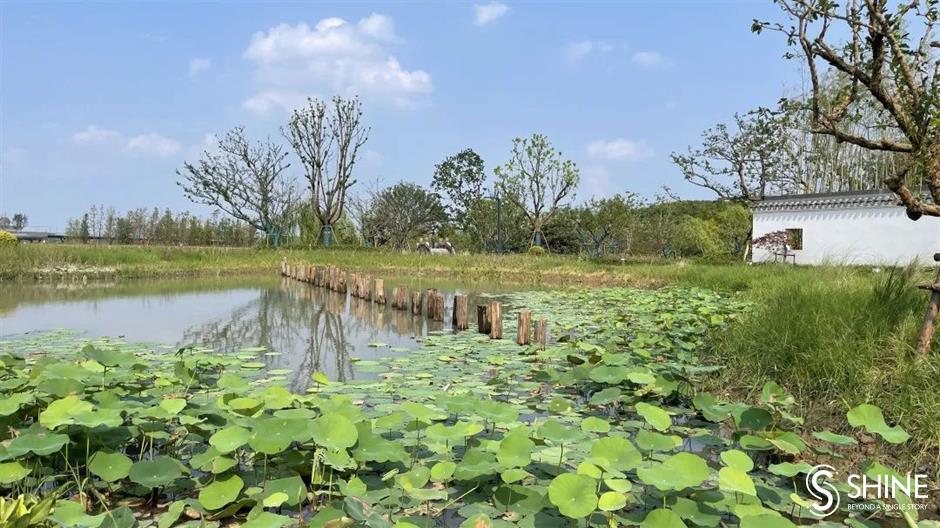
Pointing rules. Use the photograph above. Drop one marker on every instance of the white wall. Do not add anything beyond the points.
(867, 235)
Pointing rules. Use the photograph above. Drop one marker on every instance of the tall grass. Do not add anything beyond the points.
(841, 339)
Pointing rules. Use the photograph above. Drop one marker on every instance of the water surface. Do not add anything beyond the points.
(312, 329)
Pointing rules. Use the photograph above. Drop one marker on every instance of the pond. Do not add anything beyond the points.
(310, 329)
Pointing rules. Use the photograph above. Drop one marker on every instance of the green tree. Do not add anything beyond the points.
(537, 180)
(19, 221)
(402, 212)
(607, 223)
(461, 178)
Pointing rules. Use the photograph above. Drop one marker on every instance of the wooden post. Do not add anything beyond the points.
(395, 293)
(416, 302)
(378, 287)
(367, 288)
(439, 307)
(402, 297)
(541, 332)
(524, 327)
(483, 319)
(341, 285)
(933, 310)
(429, 303)
(355, 285)
(284, 266)
(461, 307)
(496, 320)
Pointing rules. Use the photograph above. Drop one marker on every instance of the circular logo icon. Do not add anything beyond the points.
(819, 487)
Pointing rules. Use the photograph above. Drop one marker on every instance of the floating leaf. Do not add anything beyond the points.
(573, 495)
(221, 492)
(870, 417)
(110, 466)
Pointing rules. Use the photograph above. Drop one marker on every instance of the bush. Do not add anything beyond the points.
(7, 239)
(536, 250)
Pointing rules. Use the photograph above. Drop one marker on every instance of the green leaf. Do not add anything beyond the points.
(733, 480)
(229, 439)
(619, 452)
(662, 518)
(654, 416)
(737, 459)
(110, 466)
(334, 431)
(573, 495)
(154, 473)
(680, 471)
(612, 501)
(221, 492)
(871, 418)
(515, 450)
(12, 472)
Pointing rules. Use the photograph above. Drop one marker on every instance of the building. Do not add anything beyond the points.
(862, 227)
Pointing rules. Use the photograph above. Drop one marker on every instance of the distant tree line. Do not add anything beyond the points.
(151, 226)
(17, 223)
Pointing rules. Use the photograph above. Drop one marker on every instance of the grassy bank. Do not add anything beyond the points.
(28, 262)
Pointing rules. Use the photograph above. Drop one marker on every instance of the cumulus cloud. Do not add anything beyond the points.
(484, 14)
(198, 65)
(151, 144)
(334, 56)
(618, 150)
(648, 58)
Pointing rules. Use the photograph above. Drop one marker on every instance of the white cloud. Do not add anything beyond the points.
(95, 135)
(151, 144)
(335, 56)
(576, 51)
(198, 65)
(619, 150)
(483, 14)
(648, 58)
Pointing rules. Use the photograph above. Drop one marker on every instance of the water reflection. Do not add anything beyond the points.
(304, 329)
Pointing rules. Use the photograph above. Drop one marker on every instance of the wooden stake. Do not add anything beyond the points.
(461, 307)
(483, 319)
(378, 287)
(541, 332)
(439, 307)
(416, 302)
(524, 327)
(930, 320)
(496, 320)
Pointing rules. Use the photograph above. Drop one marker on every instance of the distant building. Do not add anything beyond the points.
(864, 227)
(38, 236)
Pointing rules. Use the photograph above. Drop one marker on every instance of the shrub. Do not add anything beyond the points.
(7, 239)
(536, 250)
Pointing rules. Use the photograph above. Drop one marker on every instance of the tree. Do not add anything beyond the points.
(609, 222)
(5, 222)
(461, 177)
(327, 141)
(245, 181)
(744, 163)
(887, 53)
(83, 232)
(19, 221)
(402, 212)
(537, 180)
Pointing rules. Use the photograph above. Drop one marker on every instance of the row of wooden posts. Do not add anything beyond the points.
(368, 288)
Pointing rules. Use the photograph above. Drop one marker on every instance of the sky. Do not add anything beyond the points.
(101, 103)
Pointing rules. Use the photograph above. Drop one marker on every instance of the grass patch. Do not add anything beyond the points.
(838, 341)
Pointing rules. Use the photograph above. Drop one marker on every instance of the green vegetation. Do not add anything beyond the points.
(7, 239)
(610, 426)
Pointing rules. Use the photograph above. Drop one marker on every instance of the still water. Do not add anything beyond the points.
(312, 329)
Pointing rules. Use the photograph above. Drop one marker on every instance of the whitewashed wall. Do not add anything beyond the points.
(866, 235)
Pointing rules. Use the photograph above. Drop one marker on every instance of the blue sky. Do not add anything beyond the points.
(102, 102)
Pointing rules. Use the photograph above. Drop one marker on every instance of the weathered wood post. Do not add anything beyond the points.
(356, 284)
(341, 283)
(402, 297)
(461, 307)
(395, 294)
(416, 302)
(541, 332)
(483, 319)
(524, 327)
(378, 288)
(284, 266)
(428, 298)
(496, 320)
(367, 288)
(438, 306)
(933, 309)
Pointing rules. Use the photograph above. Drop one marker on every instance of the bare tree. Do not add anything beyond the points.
(745, 162)
(245, 181)
(537, 180)
(890, 56)
(327, 139)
